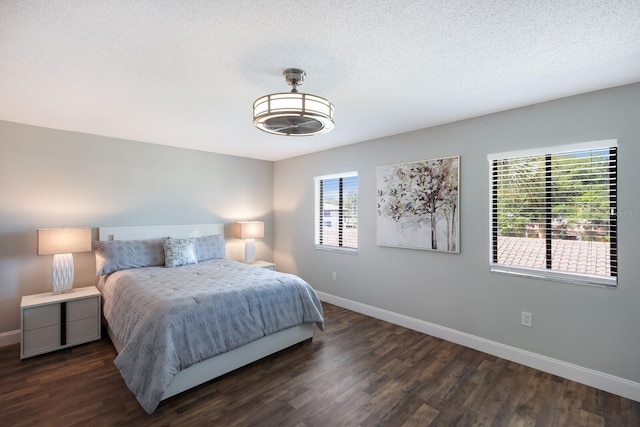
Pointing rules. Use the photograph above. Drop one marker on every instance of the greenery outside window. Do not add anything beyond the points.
(554, 213)
(336, 212)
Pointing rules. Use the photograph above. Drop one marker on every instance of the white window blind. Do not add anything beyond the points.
(336, 218)
(554, 213)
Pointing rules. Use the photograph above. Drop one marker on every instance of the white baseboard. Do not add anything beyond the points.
(600, 380)
(8, 338)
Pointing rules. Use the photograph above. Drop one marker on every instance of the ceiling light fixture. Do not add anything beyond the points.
(293, 113)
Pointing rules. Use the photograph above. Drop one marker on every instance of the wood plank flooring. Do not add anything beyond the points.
(359, 372)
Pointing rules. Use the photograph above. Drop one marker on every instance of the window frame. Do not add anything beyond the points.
(548, 273)
(318, 216)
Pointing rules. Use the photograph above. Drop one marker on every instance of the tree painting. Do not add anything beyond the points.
(418, 204)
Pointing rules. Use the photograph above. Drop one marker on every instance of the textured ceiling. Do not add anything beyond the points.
(185, 73)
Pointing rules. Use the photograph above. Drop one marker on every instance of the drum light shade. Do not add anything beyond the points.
(293, 113)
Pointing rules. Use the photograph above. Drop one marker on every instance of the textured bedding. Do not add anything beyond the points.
(167, 319)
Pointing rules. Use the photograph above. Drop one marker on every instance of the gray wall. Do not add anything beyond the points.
(591, 327)
(51, 178)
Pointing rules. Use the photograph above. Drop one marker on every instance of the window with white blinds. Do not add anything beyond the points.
(336, 212)
(554, 213)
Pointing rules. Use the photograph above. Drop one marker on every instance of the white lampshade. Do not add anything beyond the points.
(61, 242)
(249, 231)
(53, 241)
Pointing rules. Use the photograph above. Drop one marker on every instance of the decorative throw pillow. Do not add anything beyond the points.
(114, 255)
(179, 252)
(210, 247)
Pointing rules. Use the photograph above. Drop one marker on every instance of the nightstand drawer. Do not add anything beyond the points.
(40, 339)
(83, 330)
(39, 317)
(81, 309)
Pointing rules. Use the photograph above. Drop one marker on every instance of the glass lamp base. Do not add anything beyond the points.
(250, 251)
(63, 272)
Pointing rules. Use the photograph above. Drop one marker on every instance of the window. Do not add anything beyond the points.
(553, 213)
(336, 224)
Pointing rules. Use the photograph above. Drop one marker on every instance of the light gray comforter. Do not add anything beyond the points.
(170, 318)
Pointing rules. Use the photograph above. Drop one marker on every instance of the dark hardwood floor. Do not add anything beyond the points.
(359, 372)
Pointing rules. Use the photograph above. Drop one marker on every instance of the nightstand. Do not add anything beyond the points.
(264, 264)
(51, 322)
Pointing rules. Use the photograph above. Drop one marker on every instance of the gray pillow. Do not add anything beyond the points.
(114, 255)
(210, 247)
(179, 252)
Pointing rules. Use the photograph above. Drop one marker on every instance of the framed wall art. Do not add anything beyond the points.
(418, 205)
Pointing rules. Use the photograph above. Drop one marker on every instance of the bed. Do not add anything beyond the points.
(171, 331)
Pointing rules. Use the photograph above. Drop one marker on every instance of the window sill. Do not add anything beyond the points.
(351, 251)
(557, 276)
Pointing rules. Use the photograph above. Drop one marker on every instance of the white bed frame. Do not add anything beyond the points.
(223, 363)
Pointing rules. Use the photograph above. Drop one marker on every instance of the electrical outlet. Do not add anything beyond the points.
(334, 276)
(526, 319)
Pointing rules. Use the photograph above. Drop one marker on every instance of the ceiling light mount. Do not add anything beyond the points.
(293, 113)
(294, 76)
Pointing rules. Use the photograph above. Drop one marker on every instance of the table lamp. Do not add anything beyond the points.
(61, 242)
(249, 231)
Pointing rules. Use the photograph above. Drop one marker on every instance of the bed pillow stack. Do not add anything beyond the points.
(114, 255)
